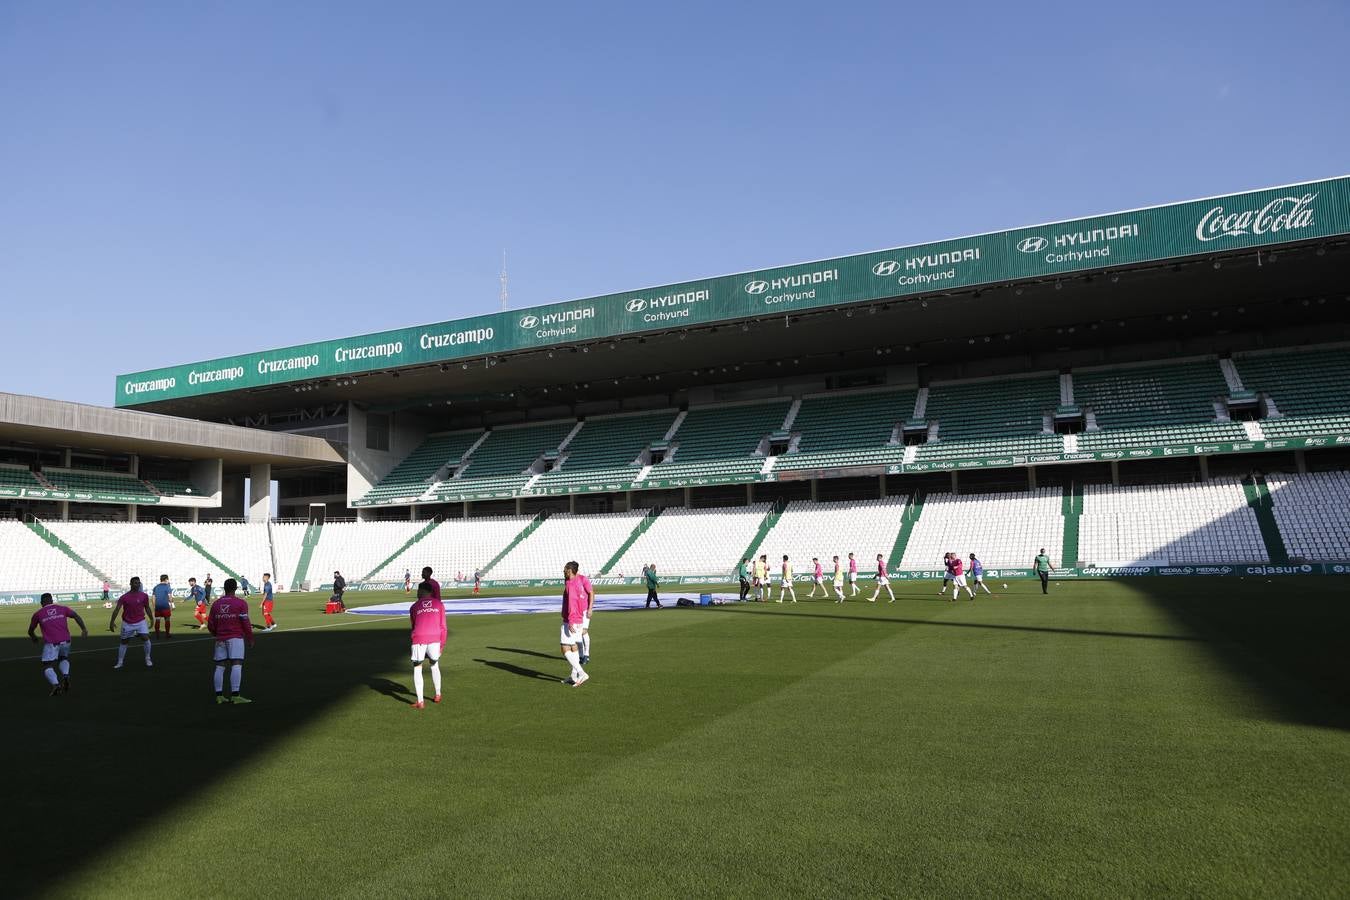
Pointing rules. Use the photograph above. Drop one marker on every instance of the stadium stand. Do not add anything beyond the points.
(991, 418)
(720, 442)
(1002, 529)
(77, 481)
(1153, 404)
(18, 477)
(414, 475)
(30, 563)
(241, 544)
(693, 541)
(848, 430)
(589, 539)
(805, 529)
(355, 548)
(606, 451)
(172, 487)
(1310, 390)
(143, 549)
(1313, 514)
(1168, 524)
(286, 551)
(499, 464)
(458, 546)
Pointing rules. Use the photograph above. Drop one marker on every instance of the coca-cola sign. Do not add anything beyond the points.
(1280, 214)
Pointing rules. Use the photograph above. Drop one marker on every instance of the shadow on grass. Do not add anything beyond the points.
(110, 717)
(517, 670)
(400, 692)
(540, 654)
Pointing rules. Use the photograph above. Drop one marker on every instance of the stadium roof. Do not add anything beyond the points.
(57, 423)
(645, 327)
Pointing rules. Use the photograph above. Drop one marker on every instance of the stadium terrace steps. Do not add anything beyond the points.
(992, 417)
(50, 537)
(719, 443)
(1072, 511)
(201, 551)
(838, 430)
(414, 476)
(501, 463)
(431, 526)
(313, 531)
(1154, 404)
(765, 526)
(524, 534)
(1311, 389)
(607, 452)
(1259, 499)
(18, 477)
(808, 529)
(638, 530)
(1176, 524)
(913, 510)
(1313, 514)
(88, 482)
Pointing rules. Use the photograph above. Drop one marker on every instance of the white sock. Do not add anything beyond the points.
(236, 677)
(889, 591)
(417, 681)
(955, 590)
(146, 645)
(435, 676)
(575, 662)
(64, 666)
(121, 653)
(220, 678)
(586, 644)
(50, 673)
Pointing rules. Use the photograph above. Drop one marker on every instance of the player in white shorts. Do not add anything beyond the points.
(882, 581)
(785, 582)
(838, 581)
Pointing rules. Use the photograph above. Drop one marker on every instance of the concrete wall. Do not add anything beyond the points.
(366, 467)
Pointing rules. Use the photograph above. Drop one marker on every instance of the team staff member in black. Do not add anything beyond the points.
(743, 573)
(339, 587)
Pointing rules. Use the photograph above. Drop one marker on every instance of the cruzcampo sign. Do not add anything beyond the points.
(1198, 227)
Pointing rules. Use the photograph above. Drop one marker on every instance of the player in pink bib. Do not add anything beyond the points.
(52, 619)
(134, 607)
(428, 637)
(817, 579)
(228, 622)
(882, 581)
(575, 605)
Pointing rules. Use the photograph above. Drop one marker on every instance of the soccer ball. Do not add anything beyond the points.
(1005, 587)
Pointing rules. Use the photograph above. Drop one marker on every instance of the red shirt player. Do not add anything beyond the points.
(428, 638)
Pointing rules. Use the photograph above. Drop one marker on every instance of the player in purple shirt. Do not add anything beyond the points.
(51, 618)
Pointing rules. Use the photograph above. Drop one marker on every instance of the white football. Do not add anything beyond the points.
(1005, 587)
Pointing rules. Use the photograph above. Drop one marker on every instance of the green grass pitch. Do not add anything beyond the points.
(1155, 736)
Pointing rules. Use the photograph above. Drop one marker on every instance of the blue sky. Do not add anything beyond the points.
(180, 181)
